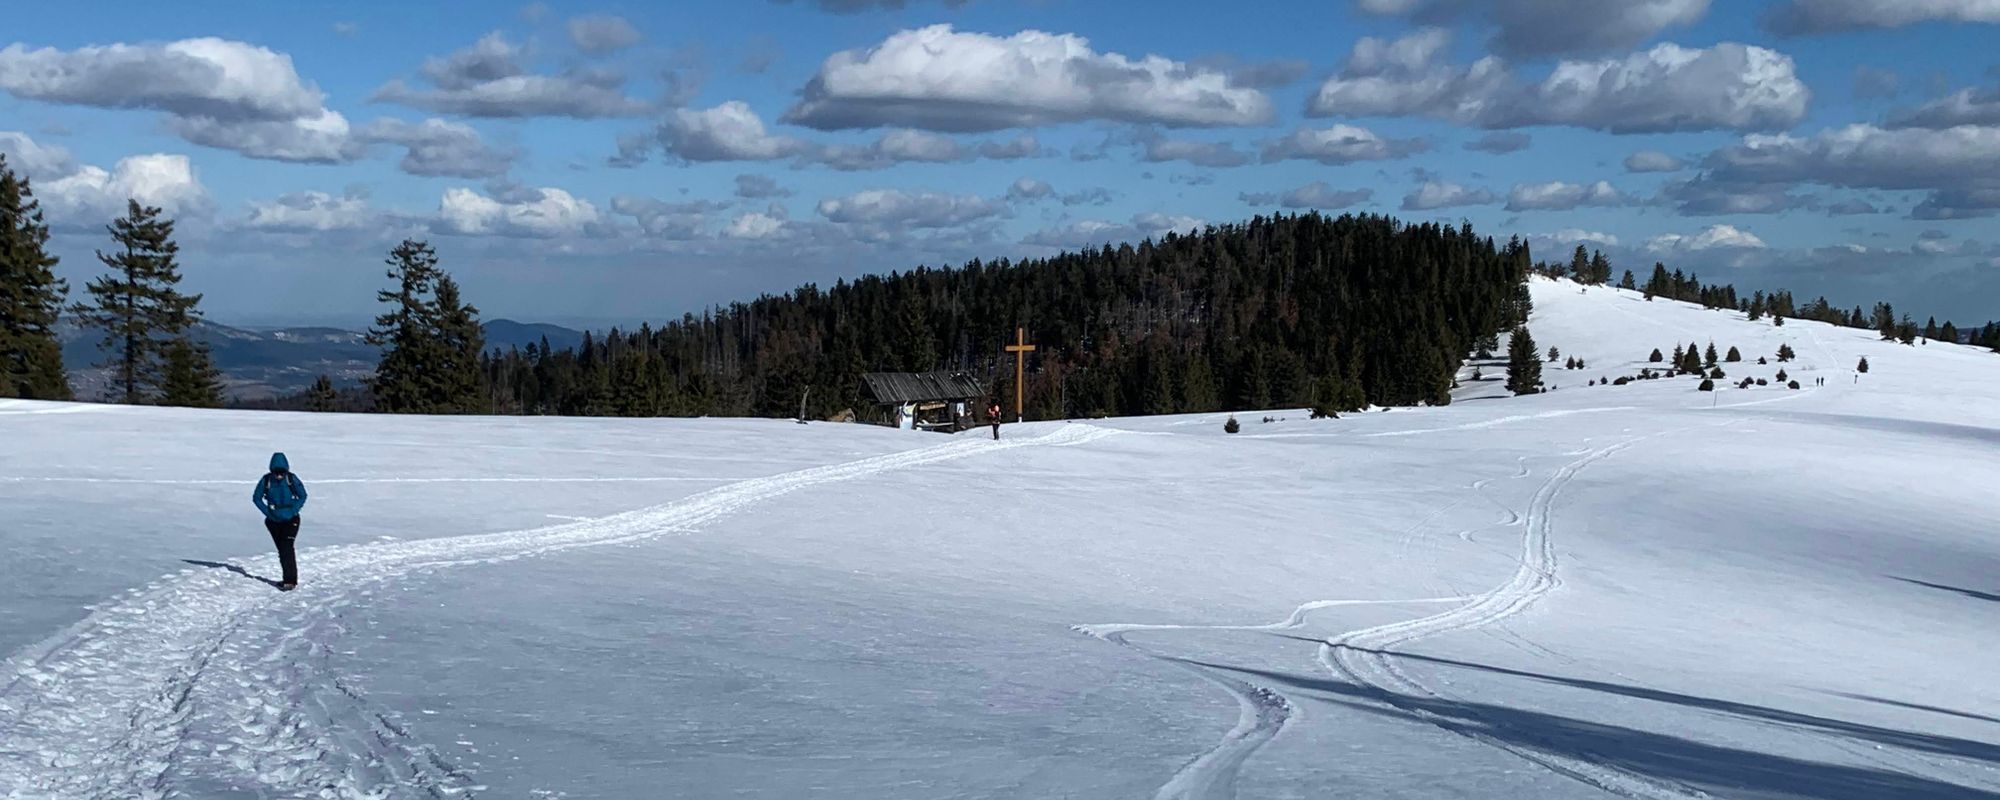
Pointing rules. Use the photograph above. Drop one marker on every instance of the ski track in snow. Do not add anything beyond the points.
(159, 678)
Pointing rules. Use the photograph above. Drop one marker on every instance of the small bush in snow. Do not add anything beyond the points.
(1863, 366)
(1793, 384)
(1231, 426)
(1706, 385)
(1716, 373)
(1781, 376)
(1622, 380)
(1762, 382)
(1733, 355)
(1762, 360)
(1656, 357)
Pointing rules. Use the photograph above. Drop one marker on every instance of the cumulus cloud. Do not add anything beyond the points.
(1500, 143)
(602, 33)
(1318, 194)
(1560, 196)
(206, 77)
(533, 213)
(755, 225)
(1256, 74)
(321, 139)
(1094, 196)
(900, 209)
(1798, 17)
(92, 195)
(1959, 166)
(488, 80)
(1156, 147)
(1667, 88)
(1029, 190)
(1963, 107)
(1653, 161)
(1022, 146)
(1080, 234)
(938, 78)
(1712, 237)
(310, 212)
(1441, 194)
(1555, 27)
(757, 187)
(435, 147)
(36, 160)
(664, 220)
(1706, 195)
(1339, 144)
(728, 132)
(1570, 237)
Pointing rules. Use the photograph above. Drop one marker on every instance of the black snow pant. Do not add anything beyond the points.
(996, 430)
(283, 534)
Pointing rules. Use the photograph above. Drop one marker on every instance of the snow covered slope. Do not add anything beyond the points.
(1641, 591)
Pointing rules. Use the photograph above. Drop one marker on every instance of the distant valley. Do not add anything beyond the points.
(263, 363)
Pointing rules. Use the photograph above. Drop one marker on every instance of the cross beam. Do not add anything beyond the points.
(1020, 348)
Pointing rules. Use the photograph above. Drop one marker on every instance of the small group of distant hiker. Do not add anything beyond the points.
(281, 495)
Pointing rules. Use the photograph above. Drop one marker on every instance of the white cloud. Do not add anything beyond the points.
(1081, 234)
(320, 139)
(310, 212)
(1339, 144)
(728, 132)
(1652, 161)
(92, 195)
(1155, 225)
(664, 220)
(941, 79)
(37, 161)
(1666, 88)
(540, 213)
(755, 225)
(439, 148)
(1318, 194)
(1156, 148)
(897, 208)
(1963, 107)
(1709, 238)
(1560, 196)
(487, 80)
(1824, 16)
(206, 77)
(1958, 165)
(1441, 194)
(602, 33)
(1554, 27)
(1029, 189)
(1574, 236)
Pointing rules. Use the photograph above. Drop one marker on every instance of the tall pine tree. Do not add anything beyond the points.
(188, 376)
(138, 307)
(31, 297)
(430, 339)
(1524, 366)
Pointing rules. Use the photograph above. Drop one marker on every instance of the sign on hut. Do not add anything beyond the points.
(924, 400)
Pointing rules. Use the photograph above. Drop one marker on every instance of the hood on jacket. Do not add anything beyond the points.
(278, 462)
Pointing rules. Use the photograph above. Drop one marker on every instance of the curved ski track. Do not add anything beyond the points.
(113, 707)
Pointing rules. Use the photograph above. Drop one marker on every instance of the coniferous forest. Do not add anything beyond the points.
(1279, 311)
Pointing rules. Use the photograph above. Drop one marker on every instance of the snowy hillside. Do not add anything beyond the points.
(1641, 591)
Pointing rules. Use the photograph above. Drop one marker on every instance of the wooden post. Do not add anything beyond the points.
(1020, 348)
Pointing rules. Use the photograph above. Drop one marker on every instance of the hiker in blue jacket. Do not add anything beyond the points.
(280, 495)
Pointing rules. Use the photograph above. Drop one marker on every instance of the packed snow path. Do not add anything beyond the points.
(103, 710)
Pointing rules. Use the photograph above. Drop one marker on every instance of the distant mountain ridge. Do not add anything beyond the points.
(259, 364)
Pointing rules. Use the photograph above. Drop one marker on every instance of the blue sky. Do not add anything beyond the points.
(594, 163)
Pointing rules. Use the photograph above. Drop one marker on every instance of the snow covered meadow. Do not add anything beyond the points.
(1643, 591)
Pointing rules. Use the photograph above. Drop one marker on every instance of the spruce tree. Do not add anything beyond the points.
(136, 305)
(1785, 353)
(1600, 268)
(1554, 354)
(460, 341)
(1709, 358)
(1627, 282)
(1691, 360)
(1579, 267)
(1524, 368)
(321, 397)
(31, 297)
(188, 376)
(1733, 355)
(1863, 366)
(419, 372)
(1655, 357)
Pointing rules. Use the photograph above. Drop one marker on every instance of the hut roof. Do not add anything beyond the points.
(911, 387)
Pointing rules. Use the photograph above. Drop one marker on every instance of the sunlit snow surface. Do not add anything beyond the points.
(1641, 591)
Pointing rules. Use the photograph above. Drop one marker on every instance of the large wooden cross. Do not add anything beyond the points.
(1020, 348)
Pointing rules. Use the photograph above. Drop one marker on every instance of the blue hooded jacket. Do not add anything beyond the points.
(279, 497)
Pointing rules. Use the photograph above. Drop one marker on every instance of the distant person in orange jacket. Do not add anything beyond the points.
(993, 413)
